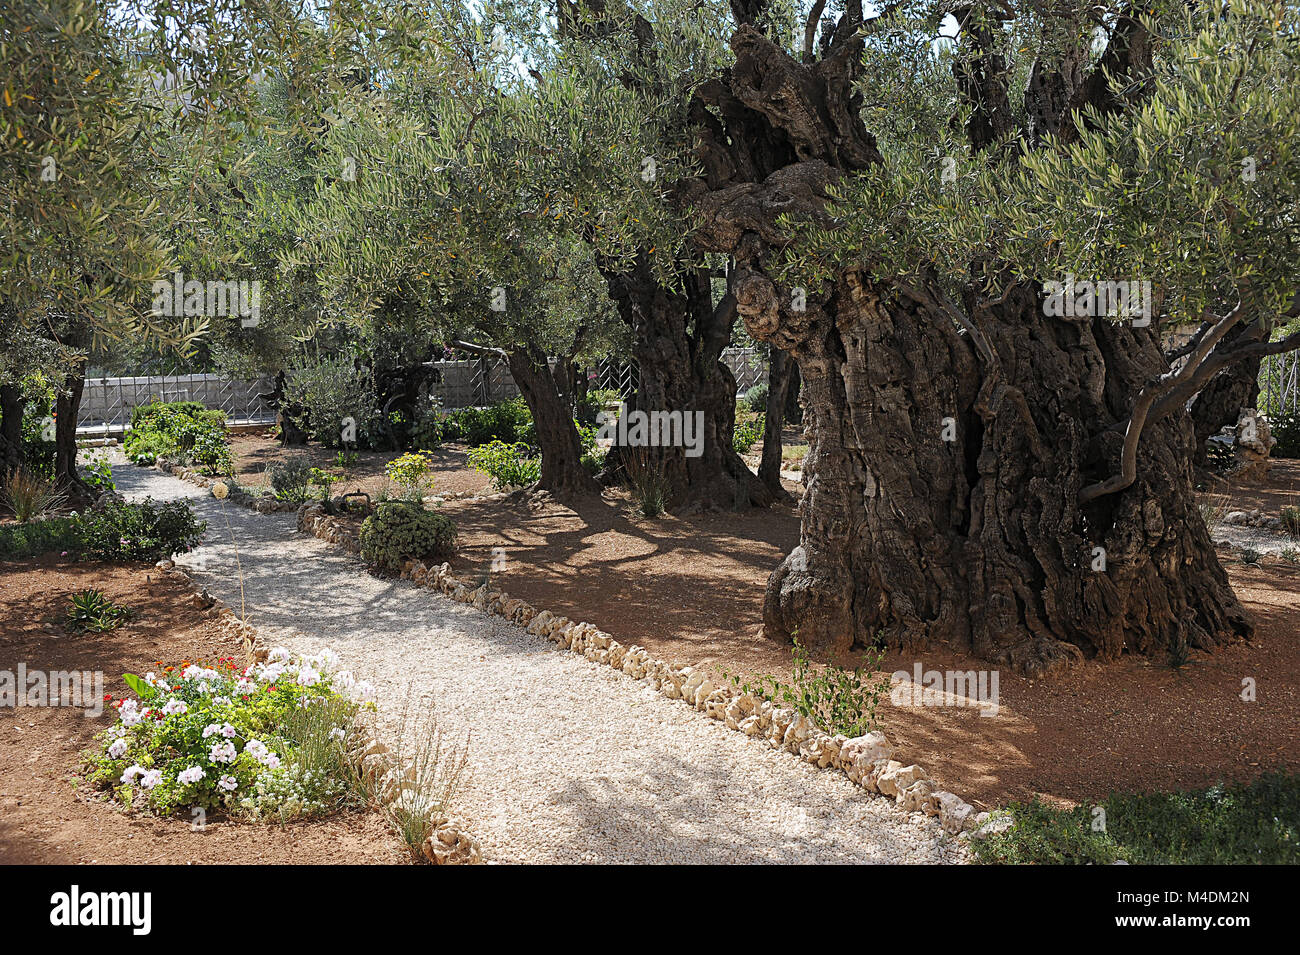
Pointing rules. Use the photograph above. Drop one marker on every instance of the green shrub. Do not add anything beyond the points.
(506, 421)
(1256, 822)
(291, 480)
(21, 541)
(1290, 517)
(508, 464)
(329, 392)
(98, 473)
(38, 453)
(143, 531)
(410, 471)
(185, 430)
(756, 398)
(747, 433)
(399, 531)
(1286, 428)
(273, 741)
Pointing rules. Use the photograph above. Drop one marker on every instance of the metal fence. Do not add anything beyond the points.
(1279, 384)
(106, 403)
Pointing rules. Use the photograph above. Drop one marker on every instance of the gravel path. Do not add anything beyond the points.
(569, 761)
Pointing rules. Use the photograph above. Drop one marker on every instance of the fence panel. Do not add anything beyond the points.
(1279, 384)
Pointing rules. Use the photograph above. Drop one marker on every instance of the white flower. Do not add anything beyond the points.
(222, 752)
(244, 687)
(345, 680)
(131, 773)
(117, 749)
(150, 678)
(174, 706)
(223, 700)
(191, 775)
(308, 677)
(228, 731)
(211, 729)
(227, 783)
(364, 692)
(329, 659)
(271, 761)
(338, 733)
(279, 655)
(151, 779)
(256, 748)
(131, 717)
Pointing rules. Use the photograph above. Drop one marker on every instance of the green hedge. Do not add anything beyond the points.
(185, 430)
(21, 541)
(143, 531)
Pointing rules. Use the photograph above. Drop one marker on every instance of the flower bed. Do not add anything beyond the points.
(272, 740)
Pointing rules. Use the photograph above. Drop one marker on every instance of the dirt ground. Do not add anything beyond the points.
(47, 814)
(254, 450)
(690, 590)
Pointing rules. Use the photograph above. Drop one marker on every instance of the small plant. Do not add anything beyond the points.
(324, 480)
(647, 482)
(291, 479)
(746, 434)
(399, 531)
(345, 459)
(756, 398)
(1250, 556)
(410, 472)
(1290, 517)
(30, 495)
(92, 612)
(1213, 507)
(98, 473)
(1291, 555)
(837, 700)
(507, 464)
(1180, 654)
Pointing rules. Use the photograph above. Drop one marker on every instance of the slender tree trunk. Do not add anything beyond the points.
(11, 429)
(679, 338)
(562, 470)
(67, 405)
(779, 373)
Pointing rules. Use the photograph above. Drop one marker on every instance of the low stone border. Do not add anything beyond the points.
(449, 843)
(866, 760)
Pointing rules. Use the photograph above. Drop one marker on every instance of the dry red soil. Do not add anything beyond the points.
(47, 813)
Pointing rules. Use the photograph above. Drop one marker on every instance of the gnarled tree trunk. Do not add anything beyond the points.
(679, 338)
(780, 372)
(942, 482)
(11, 429)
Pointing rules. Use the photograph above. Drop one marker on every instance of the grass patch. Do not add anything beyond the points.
(793, 455)
(1257, 822)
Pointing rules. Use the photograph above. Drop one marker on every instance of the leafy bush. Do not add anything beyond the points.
(328, 393)
(271, 741)
(184, 430)
(92, 611)
(508, 464)
(506, 421)
(98, 473)
(410, 471)
(1290, 517)
(143, 531)
(38, 450)
(756, 398)
(837, 700)
(399, 531)
(291, 479)
(29, 495)
(747, 433)
(1256, 822)
(1286, 428)
(20, 541)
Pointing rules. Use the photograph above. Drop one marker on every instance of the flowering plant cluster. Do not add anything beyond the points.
(270, 740)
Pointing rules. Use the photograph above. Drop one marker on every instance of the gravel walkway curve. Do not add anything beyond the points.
(569, 761)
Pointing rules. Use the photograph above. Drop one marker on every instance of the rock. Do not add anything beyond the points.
(912, 799)
(864, 750)
(897, 777)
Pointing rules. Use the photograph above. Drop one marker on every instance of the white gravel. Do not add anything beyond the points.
(569, 761)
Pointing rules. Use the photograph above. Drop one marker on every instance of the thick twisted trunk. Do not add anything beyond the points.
(780, 372)
(942, 482)
(67, 405)
(928, 520)
(679, 338)
(11, 429)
